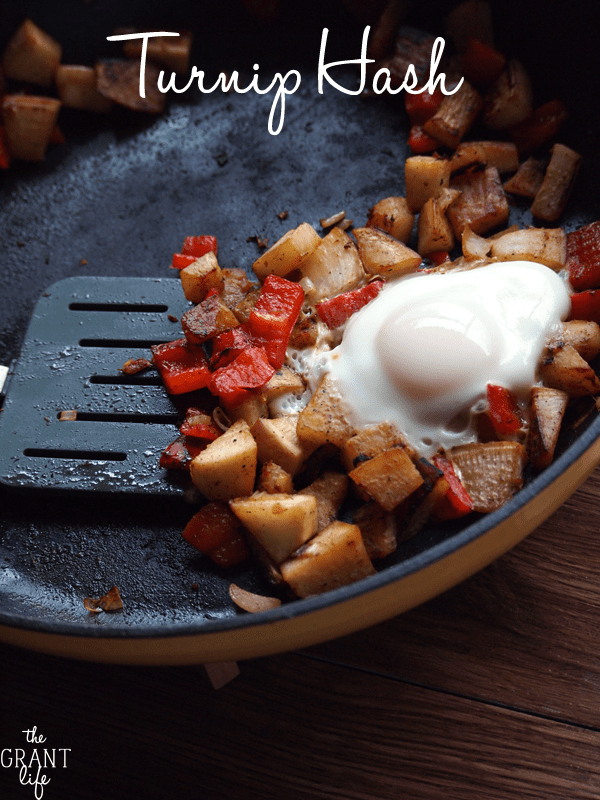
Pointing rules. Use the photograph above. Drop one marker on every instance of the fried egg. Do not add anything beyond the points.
(421, 354)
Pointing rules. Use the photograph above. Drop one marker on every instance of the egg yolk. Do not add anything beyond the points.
(418, 349)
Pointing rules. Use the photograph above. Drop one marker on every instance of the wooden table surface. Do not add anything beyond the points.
(489, 691)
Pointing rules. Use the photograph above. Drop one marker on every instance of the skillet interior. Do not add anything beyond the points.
(124, 191)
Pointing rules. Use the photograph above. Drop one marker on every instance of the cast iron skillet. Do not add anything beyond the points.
(121, 194)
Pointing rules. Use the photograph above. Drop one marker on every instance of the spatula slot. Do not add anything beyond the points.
(127, 380)
(81, 455)
(127, 307)
(146, 419)
(125, 343)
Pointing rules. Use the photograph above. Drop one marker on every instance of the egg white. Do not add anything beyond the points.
(421, 354)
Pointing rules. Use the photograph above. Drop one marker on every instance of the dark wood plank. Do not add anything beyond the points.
(524, 632)
(288, 727)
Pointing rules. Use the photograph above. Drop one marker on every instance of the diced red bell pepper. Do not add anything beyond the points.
(421, 107)
(234, 383)
(337, 310)
(183, 367)
(421, 142)
(457, 502)
(228, 345)
(4, 151)
(195, 446)
(175, 455)
(216, 532)
(439, 257)
(583, 257)
(180, 261)
(274, 315)
(231, 552)
(539, 127)
(199, 246)
(586, 305)
(198, 425)
(179, 453)
(503, 410)
(481, 63)
(57, 136)
(200, 431)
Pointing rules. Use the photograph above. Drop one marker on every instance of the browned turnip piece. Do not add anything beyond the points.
(509, 99)
(28, 124)
(235, 287)
(288, 253)
(227, 467)
(120, 82)
(412, 47)
(329, 490)
(388, 478)
(274, 479)
(332, 268)
(425, 177)
(446, 197)
(378, 528)
(584, 336)
(393, 216)
(502, 155)
(279, 522)
(31, 55)
(381, 254)
(243, 309)
(277, 440)
(527, 180)
(557, 184)
(306, 329)
(455, 116)
(545, 245)
(200, 277)
(334, 557)
(252, 409)
(284, 381)
(433, 229)
(563, 368)
(491, 472)
(369, 442)
(168, 51)
(422, 512)
(503, 232)
(207, 319)
(546, 410)
(392, 14)
(76, 87)
(325, 420)
(482, 204)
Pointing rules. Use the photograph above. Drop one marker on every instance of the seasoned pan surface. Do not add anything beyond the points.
(122, 194)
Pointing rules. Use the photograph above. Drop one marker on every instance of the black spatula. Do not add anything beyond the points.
(82, 332)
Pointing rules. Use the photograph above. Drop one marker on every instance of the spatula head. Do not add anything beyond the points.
(82, 332)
